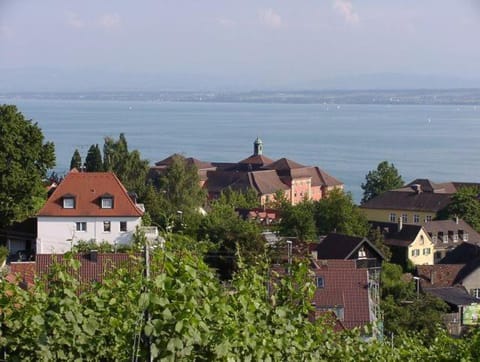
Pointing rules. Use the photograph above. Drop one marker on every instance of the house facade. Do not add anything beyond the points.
(87, 206)
(409, 243)
(261, 174)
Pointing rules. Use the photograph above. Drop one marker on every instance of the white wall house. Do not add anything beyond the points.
(87, 206)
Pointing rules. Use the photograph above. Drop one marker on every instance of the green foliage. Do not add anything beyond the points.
(375, 236)
(407, 311)
(76, 161)
(385, 177)
(338, 213)
(129, 167)
(231, 235)
(24, 161)
(3, 254)
(191, 316)
(297, 220)
(465, 205)
(93, 161)
(245, 200)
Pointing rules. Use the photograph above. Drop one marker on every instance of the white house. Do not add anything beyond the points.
(87, 206)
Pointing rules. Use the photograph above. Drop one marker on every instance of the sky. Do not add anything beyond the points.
(191, 44)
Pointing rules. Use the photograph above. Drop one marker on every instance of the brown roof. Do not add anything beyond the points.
(258, 160)
(88, 188)
(463, 253)
(393, 236)
(200, 165)
(408, 199)
(339, 246)
(264, 181)
(440, 275)
(283, 164)
(327, 179)
(345, 287)
(445, 226)
(90, 270)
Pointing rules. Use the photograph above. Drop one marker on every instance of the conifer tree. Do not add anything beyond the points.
(76, 161)
(93, 161)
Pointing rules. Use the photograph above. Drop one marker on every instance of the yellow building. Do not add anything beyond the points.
(409, 243)
(416, 203)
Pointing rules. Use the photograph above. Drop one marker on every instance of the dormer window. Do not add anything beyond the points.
(320, 282)
(362, 254)
(107, 202)
(68, 202)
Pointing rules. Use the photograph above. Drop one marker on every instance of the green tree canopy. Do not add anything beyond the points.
(93, 161)
(465, 205)
(384, 178)
(298, 220)
(24, 161)
(338, 213)
(76, 161)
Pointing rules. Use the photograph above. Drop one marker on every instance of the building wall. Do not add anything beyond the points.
(301, 189)
(383, 215)
(58, 234)
(472, 281)
(423, 246)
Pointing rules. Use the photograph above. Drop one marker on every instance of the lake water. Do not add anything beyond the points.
(436, 142)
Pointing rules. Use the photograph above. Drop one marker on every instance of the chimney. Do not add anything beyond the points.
(456, 220)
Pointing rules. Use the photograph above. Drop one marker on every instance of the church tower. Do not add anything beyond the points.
(258, 147)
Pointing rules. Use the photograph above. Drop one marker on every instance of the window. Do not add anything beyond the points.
(68, 202)
(438, 256)
(428, 218)
(320, 282)
(81, 226)
(123, 226)
(426, 251)
(107, 226)
(434, 238)
(416, 219)
(415, 252)
(445, 238)
(107, 202)
(465, 236)
(404, 218)
(455, 237)
(393, 217)
(475, 292)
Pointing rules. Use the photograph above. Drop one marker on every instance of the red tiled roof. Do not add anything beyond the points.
(24, 272)
(88, 189)
(345, 287)
(439, 275)
(90, 270)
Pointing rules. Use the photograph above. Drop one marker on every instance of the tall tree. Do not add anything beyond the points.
(338, 213)
(76, 161)
(93, 161)
(384, 178)
(180, 186)
(129, 167)
(24, 161)
(465, 205)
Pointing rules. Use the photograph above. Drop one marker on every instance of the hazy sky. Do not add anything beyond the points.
(282, 42)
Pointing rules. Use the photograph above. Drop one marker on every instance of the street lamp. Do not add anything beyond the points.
(289, 251)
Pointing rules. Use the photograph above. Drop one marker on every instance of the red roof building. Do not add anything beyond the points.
(87, 206)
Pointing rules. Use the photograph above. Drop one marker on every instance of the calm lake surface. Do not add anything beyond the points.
(436, 142)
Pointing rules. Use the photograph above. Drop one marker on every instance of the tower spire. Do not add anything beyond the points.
(258, 147)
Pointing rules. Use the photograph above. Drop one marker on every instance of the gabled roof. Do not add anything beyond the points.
(327, 179)
(395, 237)
(88, 188)
(339, 246)
(263, 181)
(347, 288)
(453, 295)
